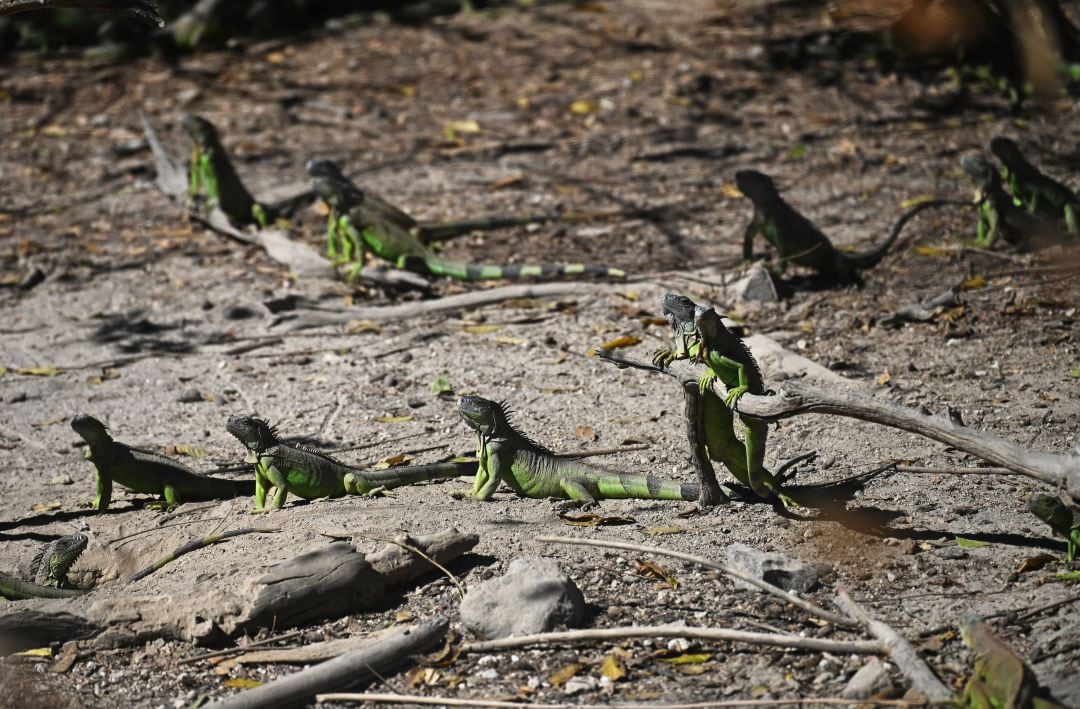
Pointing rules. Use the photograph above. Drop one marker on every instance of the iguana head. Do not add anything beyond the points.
(707, 324)
(255, 433)
(679, 311)
(757, 186)
(1006, 150)
(201, 131)
(51, 564)
(979, 170)
(92, 430)
(332, 186)
(482, 415)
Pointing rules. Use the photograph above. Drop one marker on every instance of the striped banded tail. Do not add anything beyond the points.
(646, 487)
(514, 271)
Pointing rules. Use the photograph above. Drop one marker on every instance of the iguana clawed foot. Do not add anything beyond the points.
(733, 395)
(583, 505)
(662, 358)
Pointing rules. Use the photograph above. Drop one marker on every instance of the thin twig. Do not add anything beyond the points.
(496, 704)
(420, 553)
(128, 537)
(241, 648)
(844, 647)
(765, 586)
(604, 451)
(915, 470)
(1048, 607)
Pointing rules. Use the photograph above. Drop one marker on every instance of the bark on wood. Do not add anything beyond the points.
(900, 652)
(797, 397)
(710, 494)
(328, 582)
(341, 673)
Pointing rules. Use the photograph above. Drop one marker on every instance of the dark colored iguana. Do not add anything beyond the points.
(49, 570)
(998, 214)
(1061, 518)
(147, 472)
(530, 469)
(797, 239)
(700, 335)
(1034, 190)
(1000, 678)
(310, 473)
(213, 176)
(357, 224)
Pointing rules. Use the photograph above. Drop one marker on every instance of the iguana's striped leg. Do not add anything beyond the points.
(579, 496)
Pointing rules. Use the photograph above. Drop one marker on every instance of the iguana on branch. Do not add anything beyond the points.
(1000, 679)
(700, 335)
(310, 473)
(1033, 189)
(49, 569)
(357, 223)
(213, 177)
(147, 472)
(530, 469)
(998, 214)
(797, 239)
(1061, 518)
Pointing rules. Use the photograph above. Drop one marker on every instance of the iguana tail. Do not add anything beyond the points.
(192, 546)
(869, 259)
(15, 589)
(441, 231)
(621, 486)
(513, 271)
(363, 482)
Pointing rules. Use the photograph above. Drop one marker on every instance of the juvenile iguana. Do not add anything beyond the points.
(147, 472)
(998, 214)
(1061, 518)
(357, 223)
(1000, 678)
(1034, 190)
(213, 177)
(797, 239)
(530, 469)
(310, 473)
(700, 335)
(49, 569)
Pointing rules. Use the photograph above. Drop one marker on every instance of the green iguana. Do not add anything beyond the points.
(700, 335)
(998, 214)
(214, 177)
(530, 469)
(1000, 679)
(147, 472)
(310, 473)
(357, 223)
(191, 546)
(796, 238)
(49, 569)
(1034, 190)
(1061, 518)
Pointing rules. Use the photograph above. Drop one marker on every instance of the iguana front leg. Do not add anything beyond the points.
(1071, 219)
(104, 491)
(172, 496)
(489, 472)
(751, 231)
(272, 477)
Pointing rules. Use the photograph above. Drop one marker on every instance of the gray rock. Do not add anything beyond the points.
(871, 679)
(534, 596)
(757, 285)
(779, 570)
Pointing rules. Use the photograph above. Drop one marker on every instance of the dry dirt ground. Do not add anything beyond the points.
(145, 314)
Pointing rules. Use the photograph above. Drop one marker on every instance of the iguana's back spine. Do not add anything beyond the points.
(191, 484)
(541, 473)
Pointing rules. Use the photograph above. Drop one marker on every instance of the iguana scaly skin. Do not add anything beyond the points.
(1033, 189)
(998, 214)
(213, 177)
(700, 335)
(797, 239)
(1061, 518)
(49, 569)
(191, 546)
(357, 223)
(1000, 679)
(310, 473)
(530, 469)
(147, 472)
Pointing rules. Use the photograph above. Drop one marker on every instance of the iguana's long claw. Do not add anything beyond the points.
(662, 358)
(259, 510)
(787, 501)
(706, 381)
(733, 395)
(380, 491)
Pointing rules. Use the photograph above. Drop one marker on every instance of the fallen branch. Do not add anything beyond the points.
(142, 10)
(403, 699)
(342, 672)
(765, 586)
(900, 652)
(240, 649)
(797, 397)
(462, 301)
(192, 546)
(855, 647)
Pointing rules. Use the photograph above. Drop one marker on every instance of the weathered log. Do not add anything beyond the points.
(798, 397)
(325, 583)
(142, 10)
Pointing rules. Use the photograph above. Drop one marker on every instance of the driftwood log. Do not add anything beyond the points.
(798, 397)
(328, 582)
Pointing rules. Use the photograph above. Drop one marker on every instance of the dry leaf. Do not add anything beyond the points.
(40, 371)
(1034, 563)
(242, 683)
(934, 251)
(582, 108)
(662, 530)
(594, 520)
(729, 190)
(393, 460)
(356, 327)
(915, 201)
(508, 181)
(512, 341)
(884, 379)
(394, 419)
(649, 570)
(481, 329)
(585, 432)
(632, 296)
(560, 677)
(973, 283)
(49, 422)
(422, 677)
(622, 341)
(692, 512)
(686, 659)
(44, 506)
(185, 449)
(275, 58)
(613, 667)
(36, 652)
(403, 616)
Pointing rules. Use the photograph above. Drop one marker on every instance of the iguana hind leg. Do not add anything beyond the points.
(579, 496)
